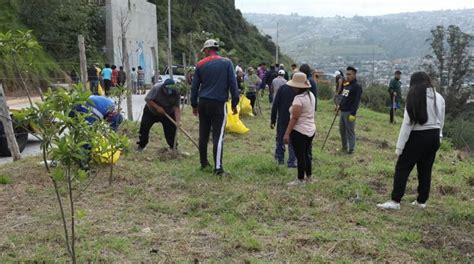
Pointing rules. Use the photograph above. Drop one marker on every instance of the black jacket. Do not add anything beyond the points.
(351, 93)
(281, 106)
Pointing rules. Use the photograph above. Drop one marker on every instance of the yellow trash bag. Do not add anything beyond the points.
(234, 124)
(108, 156)
(245, 106)
(100, 90)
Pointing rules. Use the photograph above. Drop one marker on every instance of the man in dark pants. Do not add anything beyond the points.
(161, 99)
(93, 79)
(281, 105)
(213, 79)
(351, 93)
(395, 93)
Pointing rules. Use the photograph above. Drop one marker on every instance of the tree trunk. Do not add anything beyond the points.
(82, 58)
(129, 83)
(8, 127)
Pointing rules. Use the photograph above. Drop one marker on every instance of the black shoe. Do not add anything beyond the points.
(205, 166)
(220, 172)
(350, 152)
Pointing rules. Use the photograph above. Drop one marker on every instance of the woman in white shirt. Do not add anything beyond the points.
(301, 128)
(419, 140)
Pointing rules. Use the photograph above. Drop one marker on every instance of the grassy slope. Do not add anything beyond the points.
(251, 216)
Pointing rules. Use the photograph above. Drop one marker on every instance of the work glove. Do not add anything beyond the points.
(352, 118)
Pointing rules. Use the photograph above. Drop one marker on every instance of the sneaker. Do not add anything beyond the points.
(309, 179)
(421, 205)
(296, 183)
(292, 166)
(389, 205)
(139, 149)
(350, 152)
(206, 166)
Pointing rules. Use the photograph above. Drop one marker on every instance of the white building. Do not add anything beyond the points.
(137, 18)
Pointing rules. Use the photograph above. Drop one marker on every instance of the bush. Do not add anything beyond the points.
(325, 91)
(461, 129)
(375, 97)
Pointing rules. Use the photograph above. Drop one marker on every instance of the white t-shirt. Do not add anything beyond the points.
(305, 123)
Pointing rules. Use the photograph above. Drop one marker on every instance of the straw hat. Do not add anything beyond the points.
(299, 81)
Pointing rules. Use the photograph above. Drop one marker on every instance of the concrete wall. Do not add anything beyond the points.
(141, 33)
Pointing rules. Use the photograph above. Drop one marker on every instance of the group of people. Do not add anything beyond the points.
(110, 77)
(294, 103)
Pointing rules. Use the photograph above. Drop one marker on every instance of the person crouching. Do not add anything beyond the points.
(162, 100)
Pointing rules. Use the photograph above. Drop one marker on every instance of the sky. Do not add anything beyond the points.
(348, 8)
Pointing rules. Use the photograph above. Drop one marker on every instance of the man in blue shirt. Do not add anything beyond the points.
(213, 79)
(101, 107)
(107, 77)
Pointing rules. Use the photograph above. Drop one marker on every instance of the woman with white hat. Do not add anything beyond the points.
(301, 129)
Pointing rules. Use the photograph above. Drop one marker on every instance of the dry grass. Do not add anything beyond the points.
(167, 210)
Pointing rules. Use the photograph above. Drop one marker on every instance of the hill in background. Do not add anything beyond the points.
(389, 37)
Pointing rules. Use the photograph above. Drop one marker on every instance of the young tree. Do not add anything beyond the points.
(72, 148)
(450, 65)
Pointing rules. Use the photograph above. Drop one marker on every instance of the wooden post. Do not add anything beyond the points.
(8, 126)
(155, 61)
(129, 83)
(170, 54)
(82, 58)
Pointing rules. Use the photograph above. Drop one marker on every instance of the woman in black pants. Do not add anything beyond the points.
(301, 128)
(419, 140)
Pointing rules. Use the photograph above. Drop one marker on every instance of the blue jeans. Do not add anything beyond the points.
(280, 149)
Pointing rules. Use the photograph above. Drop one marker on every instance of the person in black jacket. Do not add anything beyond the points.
(351, 94)
(280, 108)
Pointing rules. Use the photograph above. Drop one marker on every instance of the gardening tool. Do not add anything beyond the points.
(334, 120)
(182, 130)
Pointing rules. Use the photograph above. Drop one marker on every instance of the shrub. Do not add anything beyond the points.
(325, 91)
(375, 97)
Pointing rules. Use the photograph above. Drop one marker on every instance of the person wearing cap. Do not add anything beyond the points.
(280, 117)
(351, 94)
(395, 94)
(251, 84)
(278, 82)
(301, 128)
(282, 67)
(213, 79)
(161, 99)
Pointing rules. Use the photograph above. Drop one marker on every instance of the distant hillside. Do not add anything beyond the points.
(358, 38)
(219, 18)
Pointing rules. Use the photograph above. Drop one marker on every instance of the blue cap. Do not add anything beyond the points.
(169, 82)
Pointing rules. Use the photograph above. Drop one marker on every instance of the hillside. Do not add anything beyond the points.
(168, 211)
(390, 37)
(219, 18)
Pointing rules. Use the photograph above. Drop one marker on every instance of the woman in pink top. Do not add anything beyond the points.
(301, 129)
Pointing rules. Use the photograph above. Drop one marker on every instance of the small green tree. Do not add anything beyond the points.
(71, 143)
(450, 64)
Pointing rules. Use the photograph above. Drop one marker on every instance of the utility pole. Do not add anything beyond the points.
(277, 49)
(129, 80)
(82, 58)
(170, 55)
(8, 126)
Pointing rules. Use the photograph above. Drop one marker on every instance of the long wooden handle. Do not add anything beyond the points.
(182, 130)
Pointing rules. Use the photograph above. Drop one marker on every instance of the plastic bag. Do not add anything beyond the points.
(234, 124)
(245, 106)
(100, 90)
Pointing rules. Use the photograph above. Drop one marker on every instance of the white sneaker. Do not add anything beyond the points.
(421, 205)
(389, 205)
(295, 183)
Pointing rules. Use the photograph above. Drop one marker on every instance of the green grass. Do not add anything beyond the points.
(5, 180)
(161, 210)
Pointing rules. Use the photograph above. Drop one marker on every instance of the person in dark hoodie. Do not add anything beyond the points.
(213, 79)
(281, 117)
(351, 94)
(304, 68)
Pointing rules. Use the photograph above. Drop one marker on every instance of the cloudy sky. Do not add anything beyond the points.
(349, 8)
